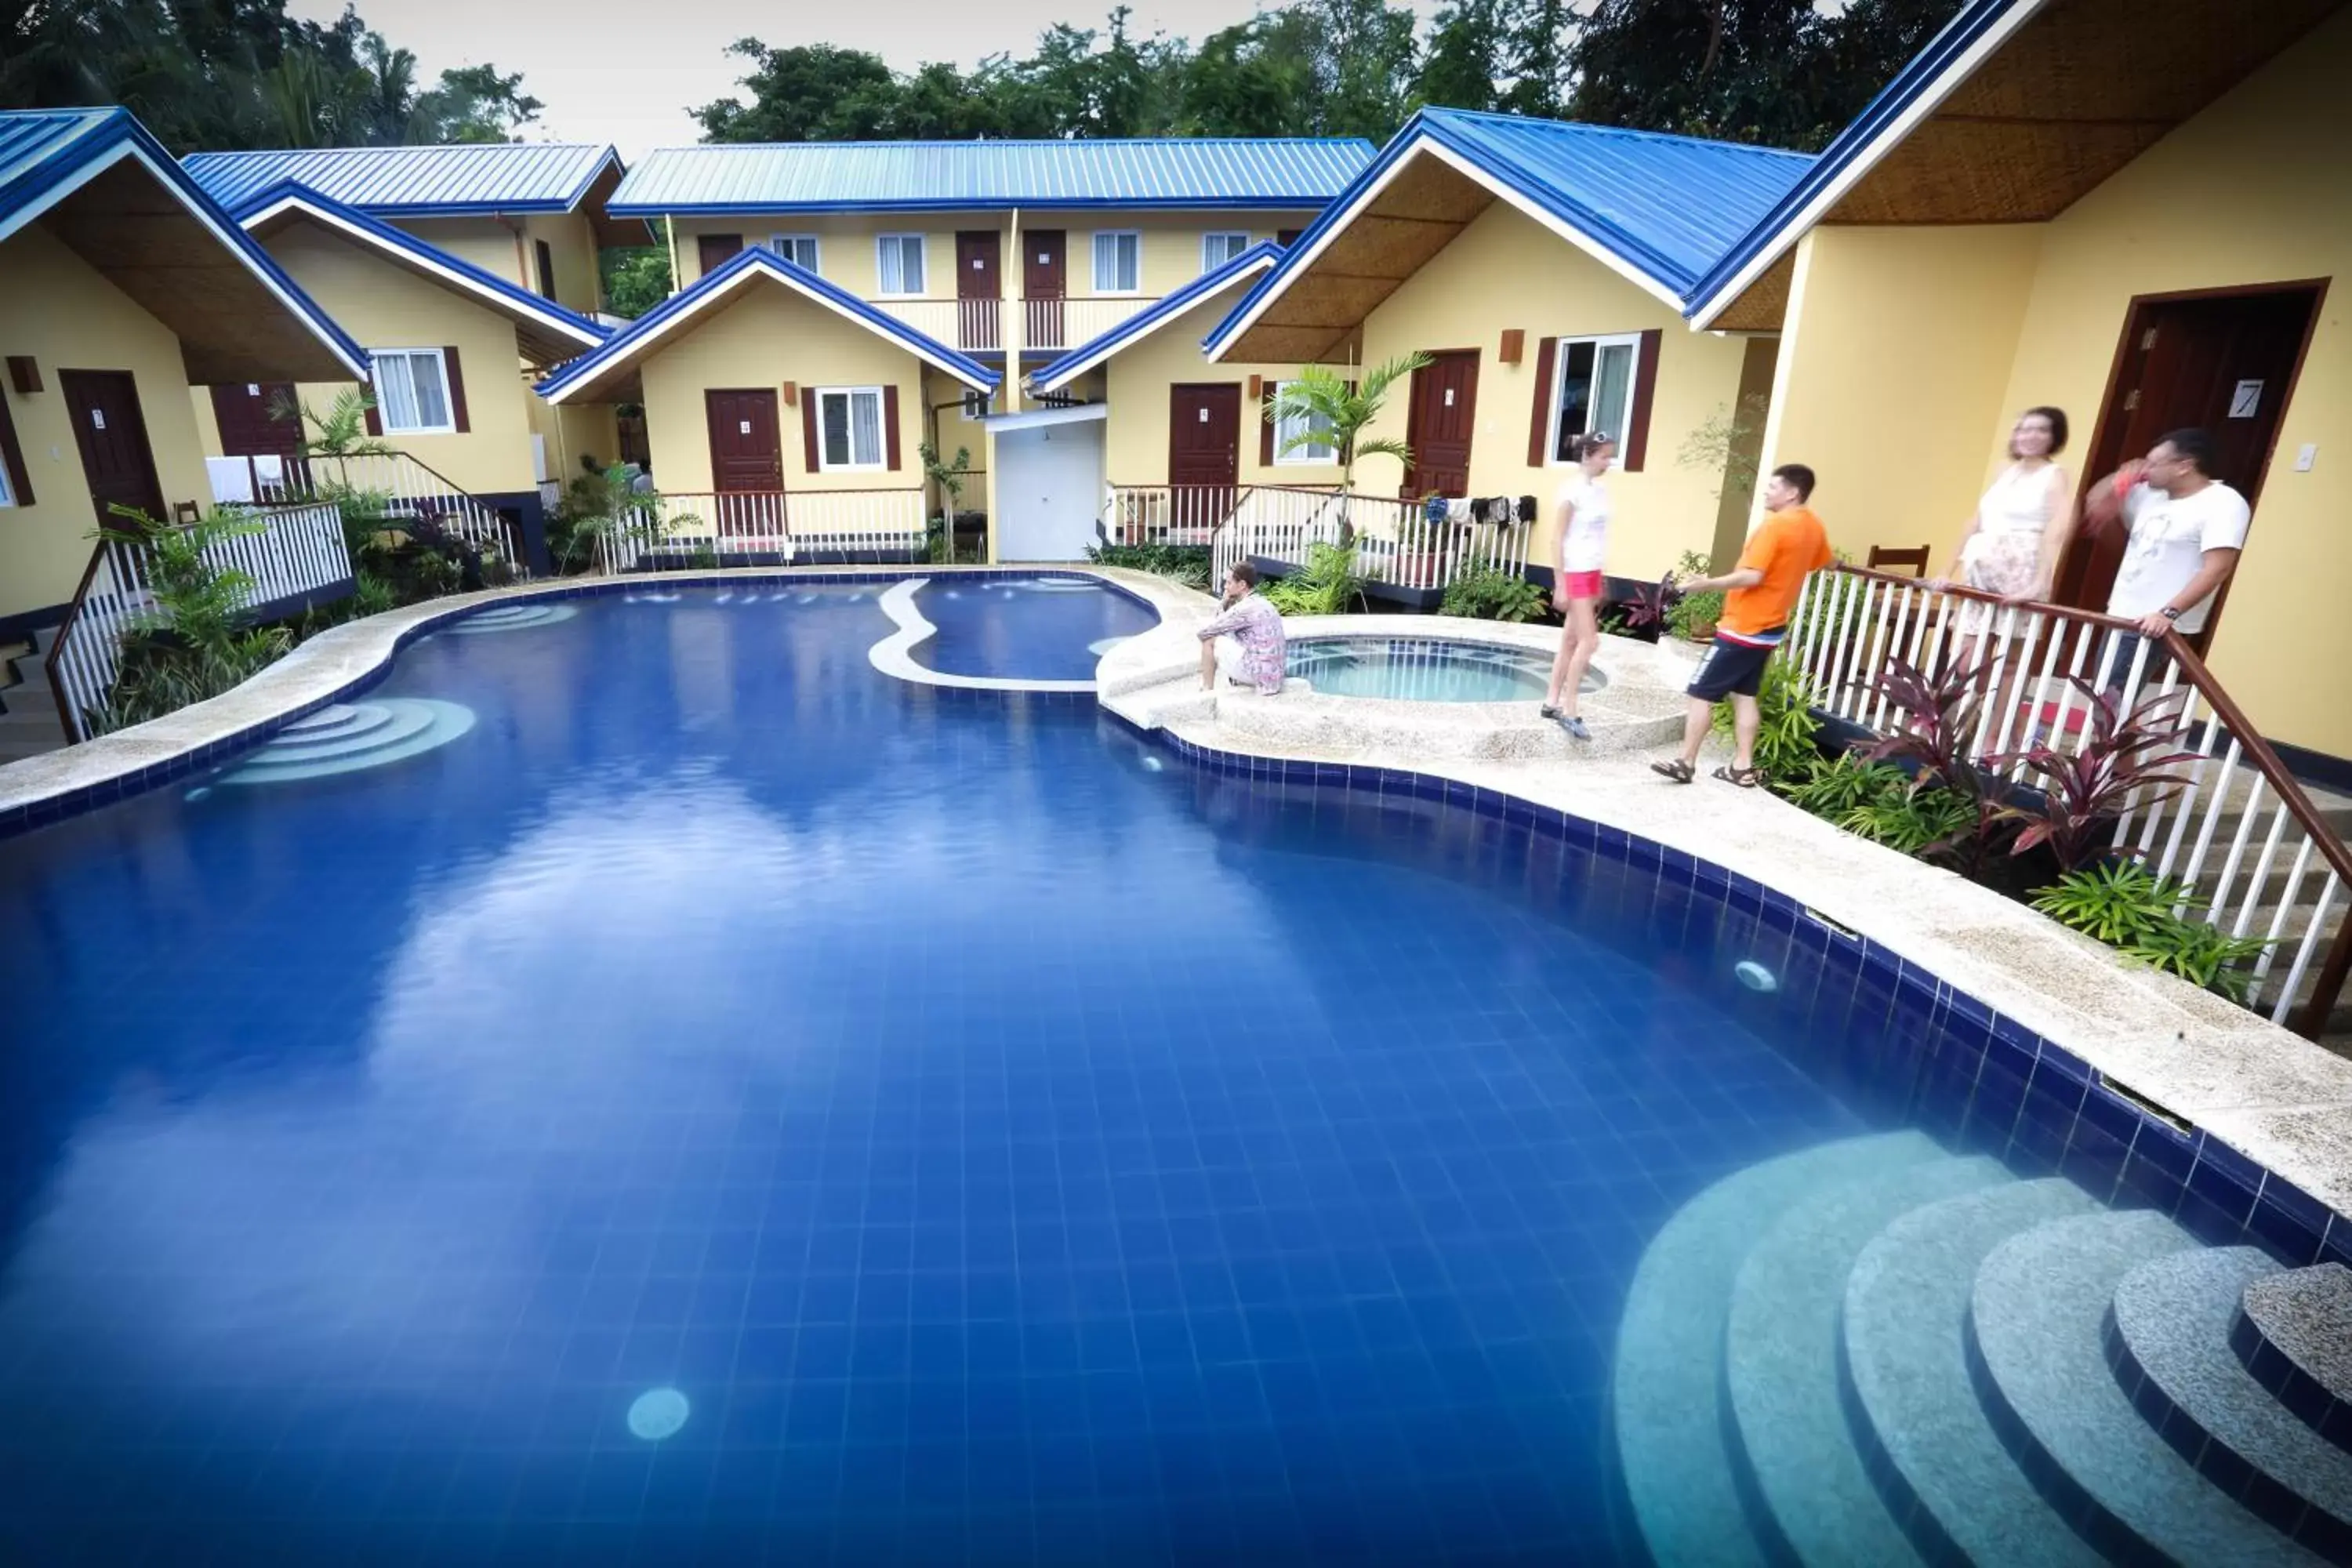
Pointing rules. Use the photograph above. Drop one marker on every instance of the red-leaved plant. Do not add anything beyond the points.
(2120, 767)
(1939, 713)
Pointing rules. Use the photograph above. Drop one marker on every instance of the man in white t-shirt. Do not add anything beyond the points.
(2186, 529)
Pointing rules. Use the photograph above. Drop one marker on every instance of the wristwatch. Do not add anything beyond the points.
(2169, 612)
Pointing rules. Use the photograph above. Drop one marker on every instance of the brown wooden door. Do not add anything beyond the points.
(1439, 421)
(1045, 282)
(2223, 363)
(746, 449)
(1204, 434)
(113, 436)
(246, 414)
(980, 285)
(715, 250)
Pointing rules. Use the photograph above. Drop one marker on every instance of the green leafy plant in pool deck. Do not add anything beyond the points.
(1487, 592)
(1938, 715)
(192, 642)
(1785, 743)
(1327, 586)
(1912, 820)
(1187, 564)
(2124, 904)
(1834, 786)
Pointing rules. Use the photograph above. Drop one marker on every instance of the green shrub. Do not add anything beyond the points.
(1327, 586)
(1785, 744)
(1917, 821)
(1185, 563)
(2145, 916)
(1689, 612)
(1484, 590)
(1831, 787)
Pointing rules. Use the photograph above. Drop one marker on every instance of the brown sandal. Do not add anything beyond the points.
(1745, 778)
(1677, 770)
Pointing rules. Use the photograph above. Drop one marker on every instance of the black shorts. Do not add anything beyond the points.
(1730, 669)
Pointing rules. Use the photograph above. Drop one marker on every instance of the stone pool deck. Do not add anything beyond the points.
(2275, 1098)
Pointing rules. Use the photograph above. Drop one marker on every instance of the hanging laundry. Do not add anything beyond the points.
(1527, 509)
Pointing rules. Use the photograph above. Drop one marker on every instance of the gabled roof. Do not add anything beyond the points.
(607, 367)
(1657, 209)
(546, 333)
(111, 193)
(466, 180)
(2012, 112)
(1143, 324)
(917, 176)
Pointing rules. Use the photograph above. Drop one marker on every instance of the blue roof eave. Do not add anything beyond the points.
(1102, 345)
(1863, 139)
(690, 301)
(970, 204)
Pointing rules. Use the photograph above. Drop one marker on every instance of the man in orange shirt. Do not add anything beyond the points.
(1757, 596)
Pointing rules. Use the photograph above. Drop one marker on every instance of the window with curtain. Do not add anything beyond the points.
(800, 249)
(1219, 248)
(1592, 388)
(849, 427)
(1119, 261)
(900, 261)
(1318, 449)
(412, 392)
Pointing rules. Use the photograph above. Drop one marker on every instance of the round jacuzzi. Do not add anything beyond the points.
(1425, 670)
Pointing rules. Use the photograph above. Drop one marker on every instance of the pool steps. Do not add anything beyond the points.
(2294, 1333)
(347, 737)
(1873, 1352)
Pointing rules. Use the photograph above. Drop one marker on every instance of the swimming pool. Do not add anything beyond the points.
(1425, 670)
(727, 1100)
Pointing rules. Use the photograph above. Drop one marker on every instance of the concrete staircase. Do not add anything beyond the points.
(28, 707)
(1875, 1352)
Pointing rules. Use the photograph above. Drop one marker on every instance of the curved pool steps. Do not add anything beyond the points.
(1671, 1436)
(346, 738)
(2294, 1333)
(1780, 1361)
(2168, 1340)
(511, 619)
(1935, 1453)
(2036, 1321)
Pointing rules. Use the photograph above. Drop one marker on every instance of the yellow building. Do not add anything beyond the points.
(1014, 252)
(124, 284)
(2138, 221)
(1542, 266)
(478, 238)
(785, 415)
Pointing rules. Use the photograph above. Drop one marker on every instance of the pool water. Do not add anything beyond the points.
(1037, 628)
(727, 1104)
(1424, 669)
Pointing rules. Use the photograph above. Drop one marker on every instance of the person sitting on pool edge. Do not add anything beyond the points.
(1758, 596)
(1246, 640)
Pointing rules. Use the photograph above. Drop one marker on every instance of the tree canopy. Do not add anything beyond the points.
(230, 74)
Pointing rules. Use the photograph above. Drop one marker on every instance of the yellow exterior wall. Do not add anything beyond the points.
(386, 307)
(846, 255)
(1907, 354)
(1504, 270)
(763, 339)
(1136, 385)
(490, 244)
(1893, 377)
(64, 314)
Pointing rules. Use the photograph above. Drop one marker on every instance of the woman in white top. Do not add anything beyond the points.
(1579, 549)
(2012, 546)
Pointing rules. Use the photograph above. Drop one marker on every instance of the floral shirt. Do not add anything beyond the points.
(1257, 625)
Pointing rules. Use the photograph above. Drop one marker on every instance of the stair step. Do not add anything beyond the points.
(2294, 1331)
(419, 725)
(366, 727)
(1782, 1363)
(2036, 1320)
(1915, 1403)
(2169, 1341)
(1668, 1388)
(336, 722)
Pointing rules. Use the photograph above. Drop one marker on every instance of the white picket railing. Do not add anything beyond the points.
(1067, 323)
(298, 550)
(798, 527)
(409, 491)
(2243, 836)
(1168, 514)
(966, 325)
(1396, 541)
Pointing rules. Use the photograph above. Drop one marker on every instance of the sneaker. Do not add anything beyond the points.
(1576, 728)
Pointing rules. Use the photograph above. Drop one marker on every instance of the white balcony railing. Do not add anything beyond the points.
(794, 528)
(298, 550)
(969, 325)
(976, 325)
(407, 489)
(1067, 323)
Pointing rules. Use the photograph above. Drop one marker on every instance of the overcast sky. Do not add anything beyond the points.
(627, 71)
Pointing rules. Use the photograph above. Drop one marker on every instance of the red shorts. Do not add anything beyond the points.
(1582, 584)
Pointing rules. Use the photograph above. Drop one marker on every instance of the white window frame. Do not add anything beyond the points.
(850, 394)
(922, 265)
(384, 410)
(1235, 242)
(1301, 457)
(1094, 252)
(784, 244)
(1631, 342)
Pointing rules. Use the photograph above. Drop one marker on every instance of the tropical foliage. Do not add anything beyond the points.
(1327, 586)
(1487, 592)
(192, 643)
(2123, 903)
(1786, 747)
(2121, 765)
(1332, 410)
(1187, 564)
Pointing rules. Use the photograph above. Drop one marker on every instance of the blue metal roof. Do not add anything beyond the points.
(1666, 206)
(468, 179)
(1143, 324)
(680, 309)
(571, 331)
(1867, 138)
(45, 154)
(908, 176)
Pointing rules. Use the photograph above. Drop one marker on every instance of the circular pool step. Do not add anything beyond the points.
(347, 738)
(512, 618)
